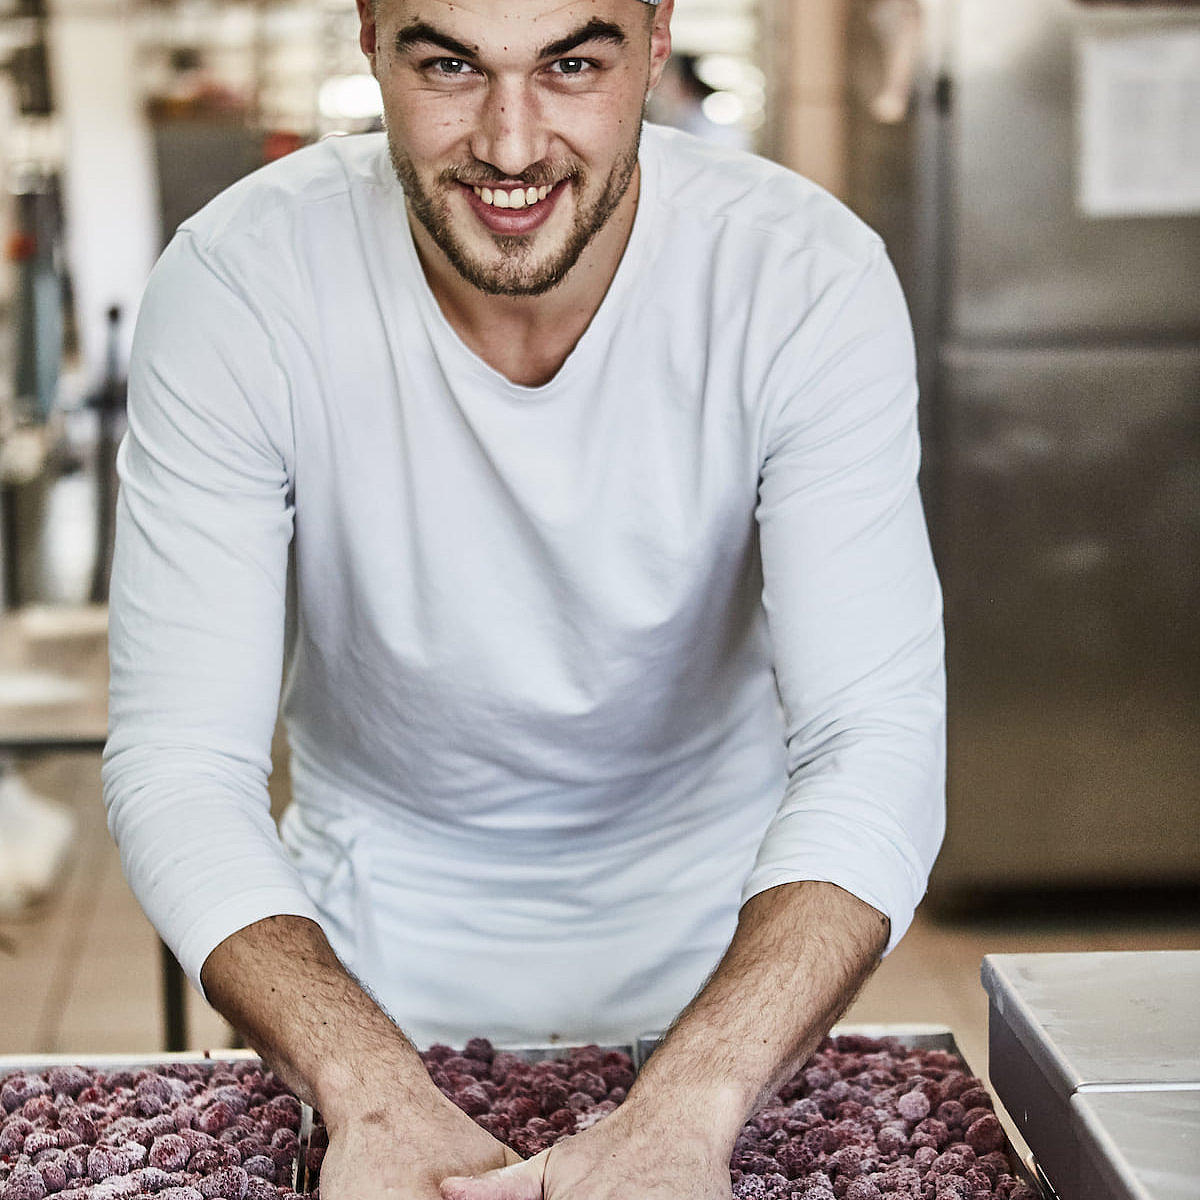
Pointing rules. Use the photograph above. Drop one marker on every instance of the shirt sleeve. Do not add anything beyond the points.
(853, 605)
(197, 612)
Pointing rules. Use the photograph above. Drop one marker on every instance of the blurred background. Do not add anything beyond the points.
(1034, 166)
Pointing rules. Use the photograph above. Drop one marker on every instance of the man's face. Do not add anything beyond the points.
(514, 124)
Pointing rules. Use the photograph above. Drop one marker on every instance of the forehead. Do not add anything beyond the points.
(510, 25)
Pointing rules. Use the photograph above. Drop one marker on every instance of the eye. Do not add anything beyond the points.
(571, 66)
(449, 66)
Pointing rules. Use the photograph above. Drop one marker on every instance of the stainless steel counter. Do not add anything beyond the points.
(1097, 1059)
(1143, 1145)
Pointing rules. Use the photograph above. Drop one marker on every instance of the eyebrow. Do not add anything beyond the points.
(595, 30)
(421, 33)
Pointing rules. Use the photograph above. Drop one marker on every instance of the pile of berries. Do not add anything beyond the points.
(865, 1119)
(180, 1131)
(530, 1106)
(871, 1119)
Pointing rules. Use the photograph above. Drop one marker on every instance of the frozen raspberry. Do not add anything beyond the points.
(54, 1176)
(891, 1139)
(179, 1193)
(562, 1120)
(951, 1113)
(196, 1139)
(282, 1111)
(750, 1187)
(479, 1048)
(913, 1106)
(587, 1119)
(18, 1089)
(847, 1161)
(154, 1127)
(68, 1080)
(170, 1152)
(976, 1096)
(205, 1162)
(153, 1179)
(13, 1134)
(754, 1162)
(76, 1161)
(473, 1100)
(41, 1110)
(105, 1161)
(815, 1181)
(923, 1158)
(617, 1075)
(589, 1082)
(229, 1183)
(39, 1140)
(985, 1135)
(930, 1132)
(795, 1158)
(261, 1165)
(995, 1163)
(216, 1117)
(234, 1097)
(25, 1183)
(818, 1077)
(948, 1163)
(901, 1179)
(862, 1189)
(260, 1189)
(461, 1065)
(553, 1096)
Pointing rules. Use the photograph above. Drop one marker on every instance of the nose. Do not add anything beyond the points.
(510, 133)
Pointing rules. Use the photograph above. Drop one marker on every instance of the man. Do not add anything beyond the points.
(586, 456)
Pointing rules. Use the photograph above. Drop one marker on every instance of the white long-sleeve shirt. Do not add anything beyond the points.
(537, 637)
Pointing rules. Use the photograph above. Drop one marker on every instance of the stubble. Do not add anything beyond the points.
(516, 269)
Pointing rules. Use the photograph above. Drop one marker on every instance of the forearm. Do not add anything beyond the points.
(797, 959)
(280, 984)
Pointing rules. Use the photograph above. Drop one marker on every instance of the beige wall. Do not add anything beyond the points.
(804, 44)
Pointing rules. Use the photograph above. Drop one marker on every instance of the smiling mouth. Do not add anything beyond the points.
(518, 197)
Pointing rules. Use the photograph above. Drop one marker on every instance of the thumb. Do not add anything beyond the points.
(517, 1181)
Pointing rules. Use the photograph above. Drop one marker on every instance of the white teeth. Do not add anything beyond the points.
(517, 198)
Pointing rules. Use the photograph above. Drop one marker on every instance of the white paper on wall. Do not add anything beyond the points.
(1138, 118)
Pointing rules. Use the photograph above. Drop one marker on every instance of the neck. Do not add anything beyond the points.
(528, 338)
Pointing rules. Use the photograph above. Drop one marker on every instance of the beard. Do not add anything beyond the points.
(516, 269)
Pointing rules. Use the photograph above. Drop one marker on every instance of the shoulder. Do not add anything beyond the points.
(707, 194)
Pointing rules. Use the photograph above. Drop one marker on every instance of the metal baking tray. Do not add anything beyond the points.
(916, 1036)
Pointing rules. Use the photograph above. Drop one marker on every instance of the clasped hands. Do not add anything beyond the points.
(445, 1156)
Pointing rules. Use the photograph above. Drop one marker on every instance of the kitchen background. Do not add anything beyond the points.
(1035, 168)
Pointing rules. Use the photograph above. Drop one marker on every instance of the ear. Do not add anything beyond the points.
(660, 40)
(367, 29)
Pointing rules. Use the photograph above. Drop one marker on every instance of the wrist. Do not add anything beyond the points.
(376, 1083)
(692, 1103)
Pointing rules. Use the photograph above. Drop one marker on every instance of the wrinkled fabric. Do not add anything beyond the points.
(569, 671)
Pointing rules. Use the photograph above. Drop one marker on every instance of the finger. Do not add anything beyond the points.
(518, 1181)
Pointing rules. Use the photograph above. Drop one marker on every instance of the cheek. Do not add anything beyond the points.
(424, 126)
